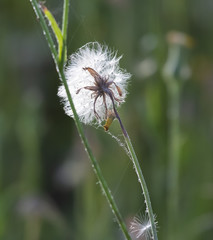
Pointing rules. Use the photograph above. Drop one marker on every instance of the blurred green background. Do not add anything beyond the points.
(47, 187)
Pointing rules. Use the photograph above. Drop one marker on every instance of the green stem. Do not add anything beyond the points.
(94, 162)
(138, 172)
(46, 31)
(65, 21)
(64, 30)
(143, 186)
(173, 153)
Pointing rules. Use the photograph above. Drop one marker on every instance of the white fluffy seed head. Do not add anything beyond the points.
(106, 64)
(141, 228)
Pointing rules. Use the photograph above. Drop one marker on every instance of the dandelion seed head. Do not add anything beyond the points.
(141, 228)
(106, 64)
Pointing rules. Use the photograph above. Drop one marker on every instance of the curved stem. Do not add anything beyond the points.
(117, 116)
(94, 162)
(138, 172)
(143, 186)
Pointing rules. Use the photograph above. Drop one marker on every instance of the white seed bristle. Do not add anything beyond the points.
(141, 228)
(106, 64)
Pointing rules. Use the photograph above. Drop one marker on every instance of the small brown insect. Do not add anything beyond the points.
(102, 87)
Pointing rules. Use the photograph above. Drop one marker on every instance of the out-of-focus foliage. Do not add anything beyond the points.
(47, 187)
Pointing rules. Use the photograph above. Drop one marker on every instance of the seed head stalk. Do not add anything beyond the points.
(60, 71)
(140, 177)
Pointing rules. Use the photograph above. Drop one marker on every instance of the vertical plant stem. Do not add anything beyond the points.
(46, 31)
(139, 174)
(94, 162)
(64, 30)
(143, 186)
(65, 21)
(173, 153)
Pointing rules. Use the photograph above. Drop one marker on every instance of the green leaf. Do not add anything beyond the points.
(56, 30)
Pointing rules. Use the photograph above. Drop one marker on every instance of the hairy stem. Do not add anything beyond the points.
(139, 174)
(143, 186)
(94, 162)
